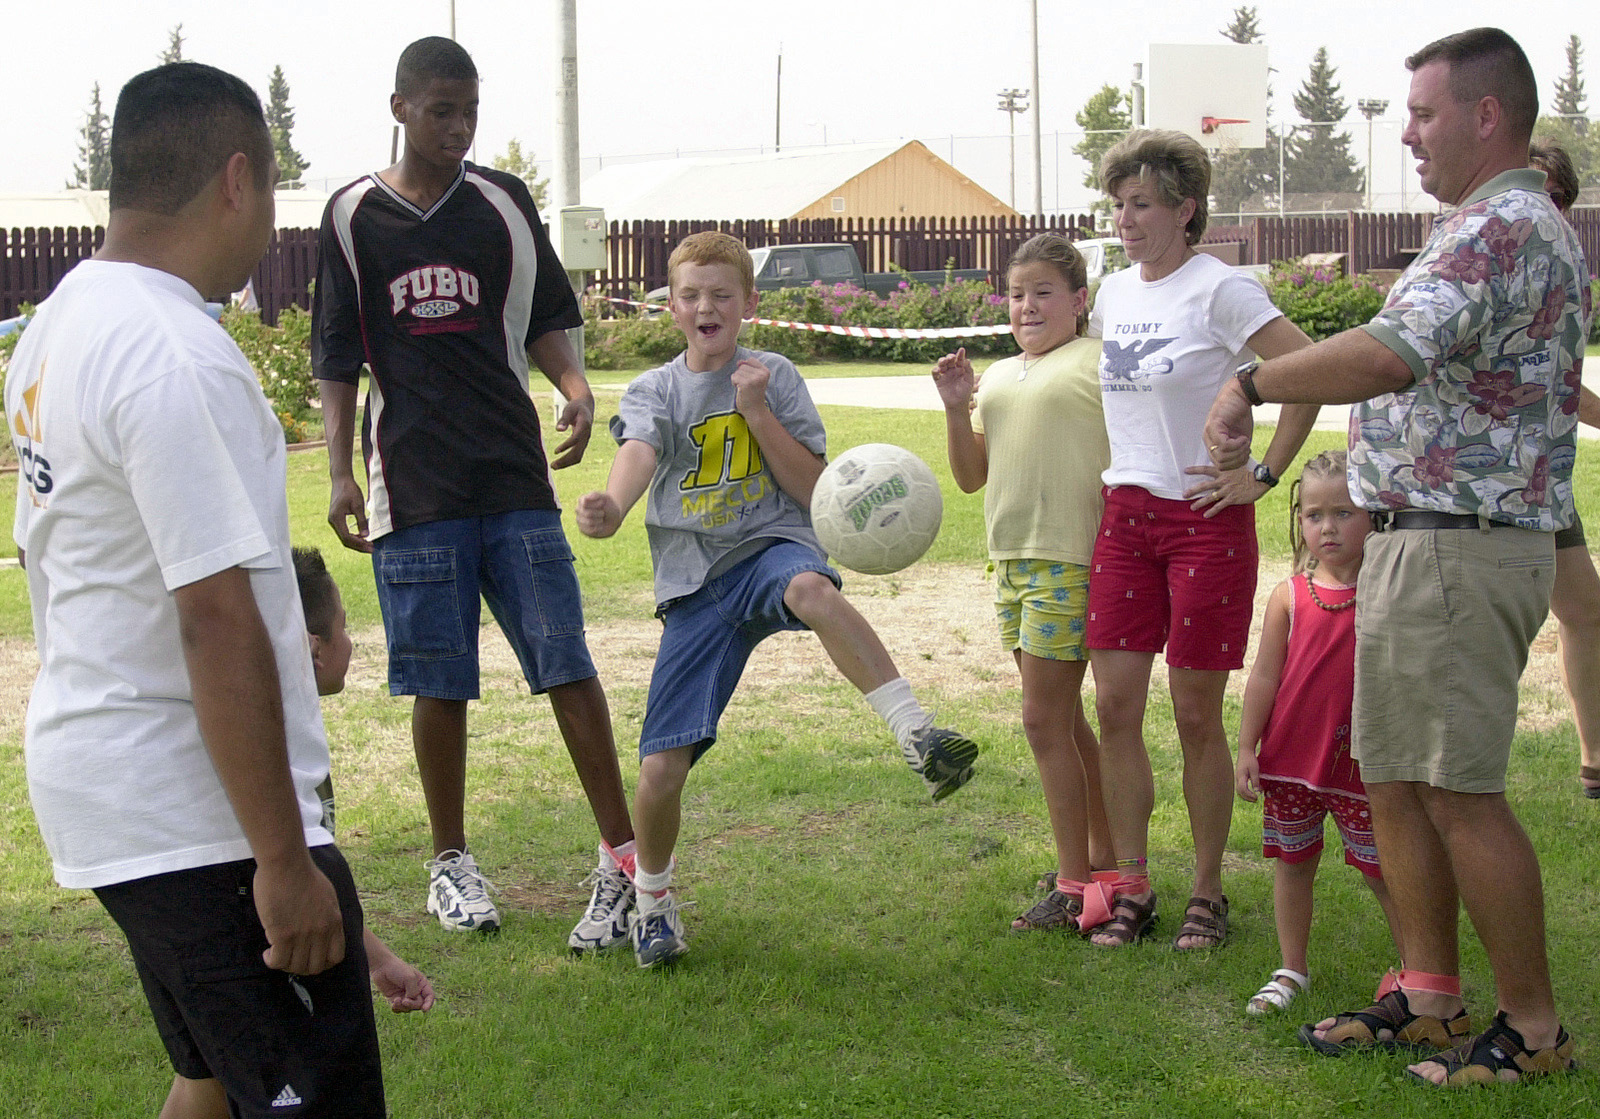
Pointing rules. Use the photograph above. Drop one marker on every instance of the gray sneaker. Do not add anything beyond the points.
(942, 758)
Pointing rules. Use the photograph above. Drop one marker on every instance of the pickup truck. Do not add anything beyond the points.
(792, 266)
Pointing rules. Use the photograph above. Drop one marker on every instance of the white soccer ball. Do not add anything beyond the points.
(876, 508)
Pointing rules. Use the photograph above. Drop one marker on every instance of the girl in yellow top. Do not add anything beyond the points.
(1037, 439)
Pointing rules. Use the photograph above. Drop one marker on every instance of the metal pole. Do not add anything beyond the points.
(567, 149)
(777, 107)
(452, 19)
(1038, 160)
(567, 103)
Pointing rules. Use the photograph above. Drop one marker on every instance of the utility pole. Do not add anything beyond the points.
(777, 107)
(1012, 102)
(567, 104)
(1038, 160)
(1371, 107)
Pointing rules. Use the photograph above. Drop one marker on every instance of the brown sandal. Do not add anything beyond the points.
(1056, 910)
(1212, 925)
(1388, 1024)
(1131, 921)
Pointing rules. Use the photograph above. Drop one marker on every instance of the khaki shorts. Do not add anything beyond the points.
(1444, 618)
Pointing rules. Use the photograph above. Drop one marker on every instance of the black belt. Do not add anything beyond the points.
(1417, 518)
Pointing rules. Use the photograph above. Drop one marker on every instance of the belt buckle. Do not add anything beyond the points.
(1381, 521)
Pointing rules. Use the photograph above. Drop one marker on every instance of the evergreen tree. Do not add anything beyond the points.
(280, 122)
(94, 173)
(174, 51)
(1316, 157)
(1568, 125)
(1244, 27)
(1105, 118)
(1239, 175)
(1571, 104)
(522, 164)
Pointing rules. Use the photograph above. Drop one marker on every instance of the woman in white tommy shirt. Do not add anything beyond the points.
(1175, 562)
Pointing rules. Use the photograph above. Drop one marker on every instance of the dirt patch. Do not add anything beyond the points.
(937, 620)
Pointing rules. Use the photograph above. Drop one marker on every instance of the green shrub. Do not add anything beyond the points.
(281, 357)
(617, 337)
(1323, 302)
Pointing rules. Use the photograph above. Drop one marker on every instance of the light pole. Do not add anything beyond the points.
(1371, 107)
(1012, 102)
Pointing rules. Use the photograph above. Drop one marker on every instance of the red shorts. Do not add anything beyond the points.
(1166, 575)
(1291, 824)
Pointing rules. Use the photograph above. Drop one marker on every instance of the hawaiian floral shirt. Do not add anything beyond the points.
(1491, 318)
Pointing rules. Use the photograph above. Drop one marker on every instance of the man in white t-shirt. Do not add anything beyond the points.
(173, 742)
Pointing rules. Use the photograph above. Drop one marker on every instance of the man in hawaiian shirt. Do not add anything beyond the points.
(1466, 392)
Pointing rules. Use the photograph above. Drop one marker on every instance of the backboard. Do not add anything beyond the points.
(1217, 93)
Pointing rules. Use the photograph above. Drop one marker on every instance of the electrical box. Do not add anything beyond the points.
(582, 238)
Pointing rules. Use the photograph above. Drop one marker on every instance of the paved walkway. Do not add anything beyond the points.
(919, 393)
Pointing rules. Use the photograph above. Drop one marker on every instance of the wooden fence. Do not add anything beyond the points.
(32, 261)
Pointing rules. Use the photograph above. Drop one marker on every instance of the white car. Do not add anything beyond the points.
(1102, 256)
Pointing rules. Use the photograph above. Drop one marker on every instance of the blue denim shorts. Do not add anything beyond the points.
(429, 579)
(707, 639)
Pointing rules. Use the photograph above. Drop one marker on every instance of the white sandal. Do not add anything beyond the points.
(1277, 994)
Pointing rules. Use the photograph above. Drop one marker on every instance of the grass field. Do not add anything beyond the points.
(850, 946)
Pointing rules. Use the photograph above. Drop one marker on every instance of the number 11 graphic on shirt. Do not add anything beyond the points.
(728, 452)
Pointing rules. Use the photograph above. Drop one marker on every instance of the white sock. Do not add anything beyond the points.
(612, 858)
(658, 882)
(896, 706)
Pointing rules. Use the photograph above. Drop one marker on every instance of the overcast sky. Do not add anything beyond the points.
(656, 76)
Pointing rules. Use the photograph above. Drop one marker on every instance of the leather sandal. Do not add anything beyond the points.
(1212, 925)
(1388, 1024)
(1131, 921)
(1056, 910)
(1499, 1056)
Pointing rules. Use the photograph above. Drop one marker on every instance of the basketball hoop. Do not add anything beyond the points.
(1208, 125)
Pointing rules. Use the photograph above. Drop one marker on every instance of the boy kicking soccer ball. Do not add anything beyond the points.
(729, 445)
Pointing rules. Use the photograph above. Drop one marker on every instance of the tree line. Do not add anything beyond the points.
(92, 171)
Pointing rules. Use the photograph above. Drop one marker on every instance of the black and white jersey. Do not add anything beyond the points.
(441, 305)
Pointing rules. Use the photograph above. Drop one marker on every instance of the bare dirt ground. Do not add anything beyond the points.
(936, 619)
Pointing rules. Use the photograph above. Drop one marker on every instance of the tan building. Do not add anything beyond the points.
(899, 180)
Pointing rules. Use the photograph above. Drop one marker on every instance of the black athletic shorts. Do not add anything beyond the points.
(280, 1045)
(1572, 535)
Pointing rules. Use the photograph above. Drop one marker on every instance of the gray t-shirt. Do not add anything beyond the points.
(713, 501)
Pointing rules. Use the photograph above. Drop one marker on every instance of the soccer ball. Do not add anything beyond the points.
(876, 508)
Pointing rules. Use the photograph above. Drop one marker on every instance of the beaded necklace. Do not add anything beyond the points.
(1311, 587)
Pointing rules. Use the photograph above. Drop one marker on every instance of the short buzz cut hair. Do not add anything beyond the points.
(430, 58)
(1486, 62)
(713, 248)
(1173, 162)
(1562, 178)
(177, 126)
(318, 592)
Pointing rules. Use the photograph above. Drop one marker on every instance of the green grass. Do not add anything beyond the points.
(850, 953)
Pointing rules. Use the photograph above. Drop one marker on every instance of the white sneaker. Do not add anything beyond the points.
(657, 930)
(610, 911)
(459, 895)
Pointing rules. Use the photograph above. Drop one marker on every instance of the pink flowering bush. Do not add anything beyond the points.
(618, 338)
(1321, 301)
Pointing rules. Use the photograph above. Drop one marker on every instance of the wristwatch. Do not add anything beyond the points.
(1264, 475)
(1246, 376)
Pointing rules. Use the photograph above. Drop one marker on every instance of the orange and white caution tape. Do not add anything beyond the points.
(851, 331)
